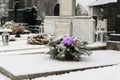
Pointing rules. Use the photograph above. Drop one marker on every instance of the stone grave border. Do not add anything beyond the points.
(36, 75)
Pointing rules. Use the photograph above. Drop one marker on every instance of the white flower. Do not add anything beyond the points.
(8, 25)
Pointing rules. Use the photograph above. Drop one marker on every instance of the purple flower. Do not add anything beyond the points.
(68, 41)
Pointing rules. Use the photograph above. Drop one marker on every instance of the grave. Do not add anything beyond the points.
(20, 14)
(26, 16)
(19, 67)
(28, 61)
(69, 24)
(22, 47)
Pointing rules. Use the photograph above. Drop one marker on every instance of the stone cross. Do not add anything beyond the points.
(67, 7)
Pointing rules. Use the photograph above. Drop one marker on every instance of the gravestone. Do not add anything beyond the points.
(20, 15)
(63, 28)
(68, 24)
(67, 7)
(64, 23)
(31, 15)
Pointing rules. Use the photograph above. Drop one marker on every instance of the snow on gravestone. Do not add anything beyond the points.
(63, 28)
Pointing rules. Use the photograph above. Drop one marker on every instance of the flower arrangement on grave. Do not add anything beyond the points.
(8, 25)
(67, 48)
(39, 39)
(18, 29)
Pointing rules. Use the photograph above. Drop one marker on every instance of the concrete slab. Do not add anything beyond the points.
(106, 73)
(41, 63)
(25, 51)
(19, 45)
(23, 36)
(96, 46)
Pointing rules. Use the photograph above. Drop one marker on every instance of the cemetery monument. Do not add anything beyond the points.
(69, 24)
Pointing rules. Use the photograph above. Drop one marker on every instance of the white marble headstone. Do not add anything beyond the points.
(63, 28)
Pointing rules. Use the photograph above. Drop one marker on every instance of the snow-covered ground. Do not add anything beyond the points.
(107, 73)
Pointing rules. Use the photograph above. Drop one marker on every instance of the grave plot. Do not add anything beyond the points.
(33, 66)
(20, 46)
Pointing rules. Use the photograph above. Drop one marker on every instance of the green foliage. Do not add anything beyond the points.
(59, 51)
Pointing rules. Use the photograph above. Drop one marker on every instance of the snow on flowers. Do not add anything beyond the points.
(8, 25)
(68, 41)
(39, 39)
(67, 48)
